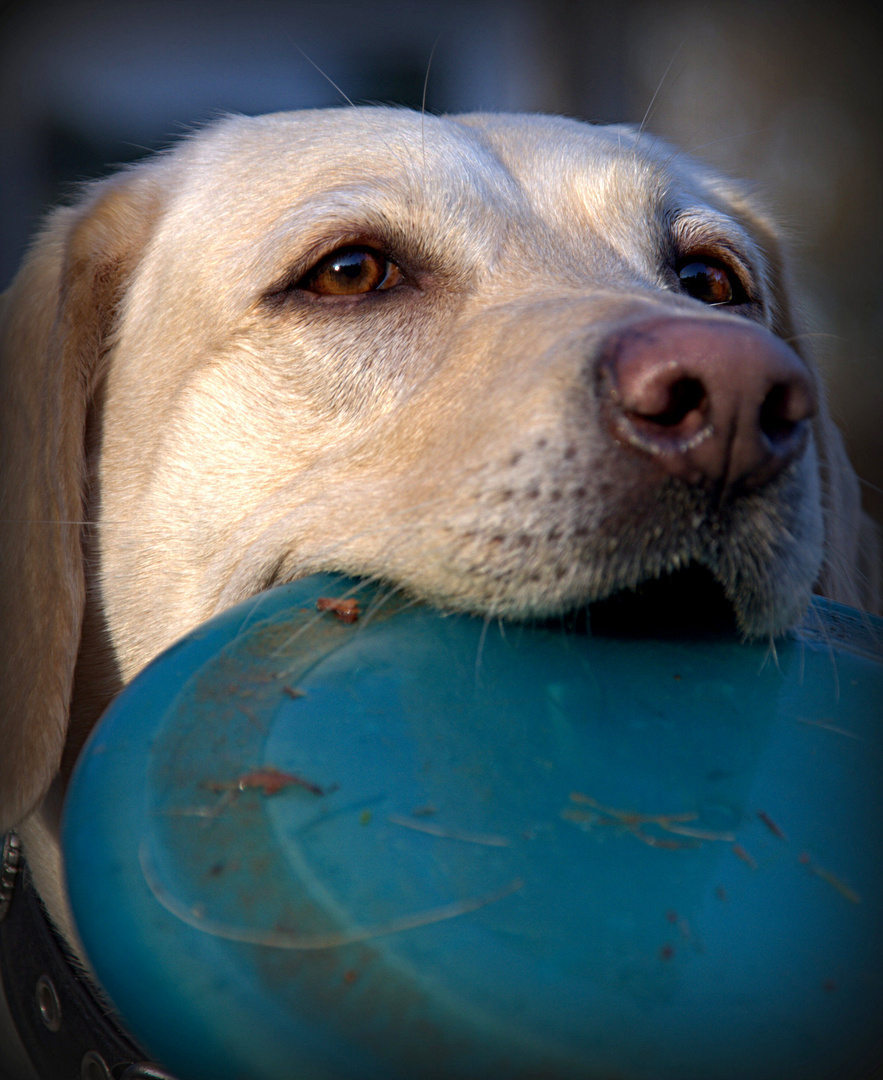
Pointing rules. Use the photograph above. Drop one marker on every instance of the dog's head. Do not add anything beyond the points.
(514, 365)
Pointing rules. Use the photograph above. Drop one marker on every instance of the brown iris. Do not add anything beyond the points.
(351, 271)
(708, 281)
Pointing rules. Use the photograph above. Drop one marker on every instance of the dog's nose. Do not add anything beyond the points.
(723, 401)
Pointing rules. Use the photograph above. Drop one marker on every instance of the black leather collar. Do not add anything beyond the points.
(65, 1026)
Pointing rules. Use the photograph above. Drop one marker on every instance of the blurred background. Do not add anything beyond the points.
(787, 95)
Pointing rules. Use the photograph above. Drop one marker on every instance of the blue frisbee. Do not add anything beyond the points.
(334, 835)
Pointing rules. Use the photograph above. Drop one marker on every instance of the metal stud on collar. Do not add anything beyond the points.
(48, 1005)
(9, 868)
(94, 1067)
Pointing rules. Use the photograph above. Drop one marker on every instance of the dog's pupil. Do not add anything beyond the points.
(706, 282)
(348, 271)
(351, 266)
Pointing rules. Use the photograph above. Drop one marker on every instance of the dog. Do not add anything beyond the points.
(513, 365)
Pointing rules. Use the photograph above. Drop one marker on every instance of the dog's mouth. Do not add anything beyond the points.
(685, 603)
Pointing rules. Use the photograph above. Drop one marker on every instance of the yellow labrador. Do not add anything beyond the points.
(511, 364)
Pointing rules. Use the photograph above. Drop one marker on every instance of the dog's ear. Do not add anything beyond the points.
(851, 573)
(852, 569)
(58, 318)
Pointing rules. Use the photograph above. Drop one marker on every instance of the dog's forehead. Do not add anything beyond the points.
(285, 158)
(550, 166)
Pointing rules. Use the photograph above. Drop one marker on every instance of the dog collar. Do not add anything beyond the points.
(64, 1025)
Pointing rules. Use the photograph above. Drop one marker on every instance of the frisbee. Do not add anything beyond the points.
(332, 833)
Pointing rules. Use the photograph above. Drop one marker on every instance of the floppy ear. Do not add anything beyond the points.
(57, 319)
(851, 570)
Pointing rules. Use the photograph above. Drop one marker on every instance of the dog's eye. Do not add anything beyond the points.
(350, 271)
(709, 281)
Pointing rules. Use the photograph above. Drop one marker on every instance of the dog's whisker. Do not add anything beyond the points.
(324, 75)
(80, 522)
(423, 103)
(363, 619)
(821, 629)
(649, 110)
(770, 654)
(731, 137)
(875, 488)
(680, 149)
(813, 335)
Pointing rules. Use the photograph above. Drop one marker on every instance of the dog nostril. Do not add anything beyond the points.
(664, 407)
(784, 407)
(674, 403)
